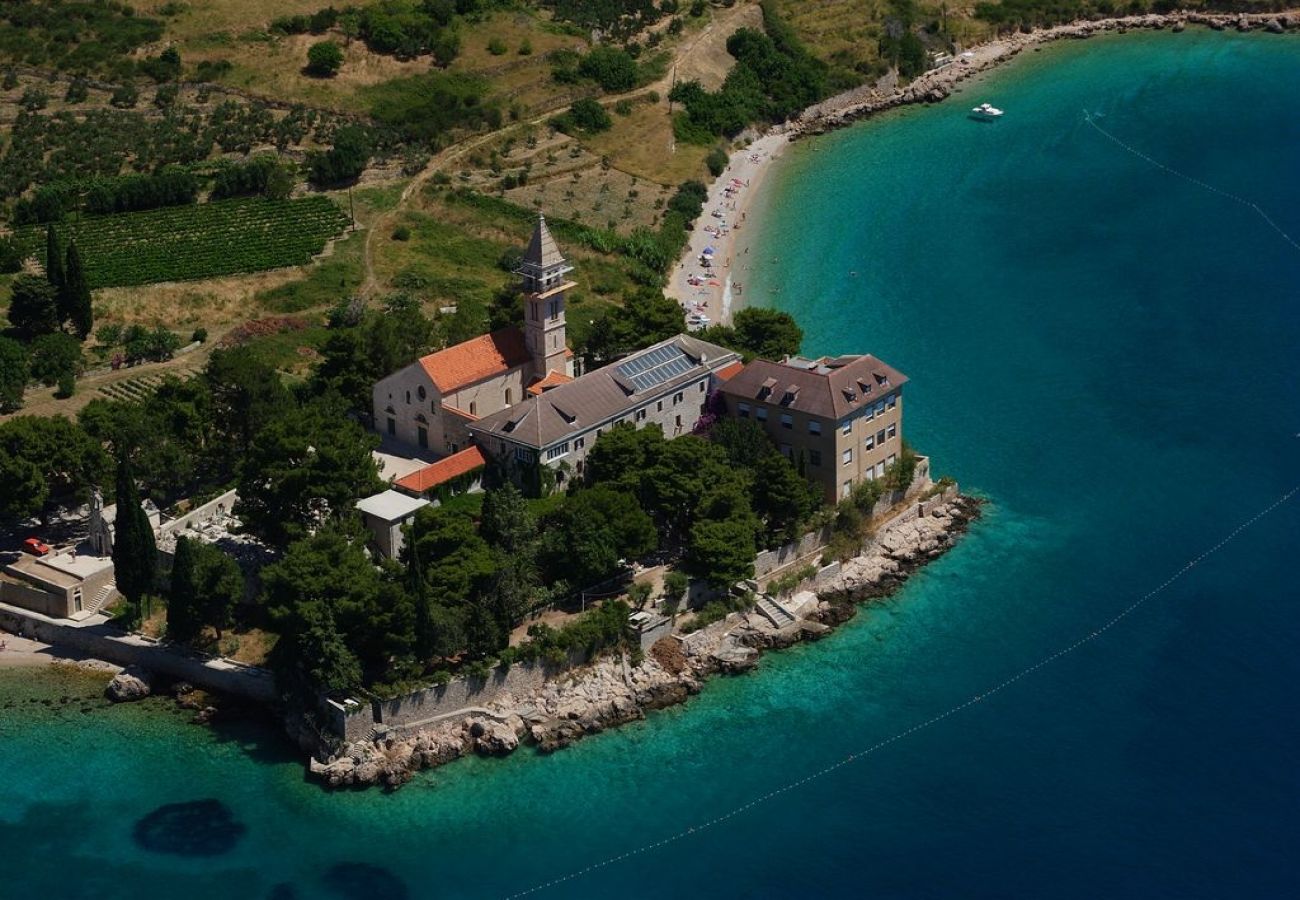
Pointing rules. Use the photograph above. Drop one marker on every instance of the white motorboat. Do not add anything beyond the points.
(986, 111)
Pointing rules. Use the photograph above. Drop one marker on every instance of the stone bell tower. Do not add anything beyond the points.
(543, 271)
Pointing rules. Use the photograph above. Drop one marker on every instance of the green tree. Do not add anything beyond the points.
(183, 620)
(33, 305)
(781, 497)
(676, 584)
(47, 461)
(74, 295)
(344, 161)
(611, 67)
(767, 333)
(307, 467)
(623, 454)
(13, 374)
(329, 572)
(312, 656)
(510, 530)
(247, 395)
(135, 552)
(218, 587)
(324, 59)
(457, 563)
(744, 441)
(54, 357)
(593, 530)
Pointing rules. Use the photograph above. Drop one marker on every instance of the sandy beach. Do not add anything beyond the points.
(18, 652)
(708, 290)
(715, 291)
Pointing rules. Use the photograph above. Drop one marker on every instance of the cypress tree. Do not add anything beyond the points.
(54, 259)
(74, 296)
(135, 553)
(183, 623)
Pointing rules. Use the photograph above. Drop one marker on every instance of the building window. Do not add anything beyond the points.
(880, 470)
(473, 408)
(870, 474)
(891, 401)
(419, 392)
(392, 426)
(742, 410)
(659, 407)
(422, 436)
(892, 458)
(785, 451)
(847, 427)
(679, 423)
(814, 457)
(408, 396)
(871, 442)
(846, 489)
(579, 443)
(880, 436)
(760, 414)
(557, 451)
(523, 454)
(701, 387)
(870, 413)
(814, 427)
(892, 431)
(508, 396)
(433, 407)
(640, 415)
(677, 398)
(880, 407)
(787, 421)
(847, 456)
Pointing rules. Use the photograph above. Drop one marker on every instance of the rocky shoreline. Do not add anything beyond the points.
(612, 691)
(938, 84)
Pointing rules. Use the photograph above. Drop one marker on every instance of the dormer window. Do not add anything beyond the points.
(765, 390)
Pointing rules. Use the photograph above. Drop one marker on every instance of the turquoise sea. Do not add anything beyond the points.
(1109, 353)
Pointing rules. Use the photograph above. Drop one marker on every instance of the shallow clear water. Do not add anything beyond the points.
(1107, 353)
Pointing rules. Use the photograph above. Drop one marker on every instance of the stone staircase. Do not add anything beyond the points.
(774, 611)
(103, 596)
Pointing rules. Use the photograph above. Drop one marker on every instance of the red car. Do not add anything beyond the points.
(35, 547)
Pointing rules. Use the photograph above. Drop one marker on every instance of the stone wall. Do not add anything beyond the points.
(107, 643)
(29, 597)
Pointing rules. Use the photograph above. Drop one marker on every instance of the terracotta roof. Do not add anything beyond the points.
(731, 371)
(476, 359)
(551, 380)
(830, 388)
(442, 471)
(606, 394)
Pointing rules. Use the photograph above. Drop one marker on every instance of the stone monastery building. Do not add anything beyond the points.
(430, 403)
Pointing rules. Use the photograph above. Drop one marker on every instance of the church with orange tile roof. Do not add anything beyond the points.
(430, 403)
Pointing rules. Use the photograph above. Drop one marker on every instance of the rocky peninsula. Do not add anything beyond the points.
(613, 691)
(937, 84)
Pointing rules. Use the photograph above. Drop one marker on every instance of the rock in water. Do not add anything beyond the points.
(129, 685)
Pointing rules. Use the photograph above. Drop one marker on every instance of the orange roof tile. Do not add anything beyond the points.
(476, 359)
(551, 380)
(442, 471)
(731, 371)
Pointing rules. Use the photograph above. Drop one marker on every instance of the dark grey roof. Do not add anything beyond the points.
(543, 253)
(830, 388)
(606, 393)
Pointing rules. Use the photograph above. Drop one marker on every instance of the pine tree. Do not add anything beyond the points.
(135, 553)
(183, 623)
(74, 296)
(54, 259)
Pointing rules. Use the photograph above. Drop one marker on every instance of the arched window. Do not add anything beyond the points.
(473, 408)
(508, 397)
(421, 393)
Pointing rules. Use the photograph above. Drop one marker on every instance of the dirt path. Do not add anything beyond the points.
(704, 58)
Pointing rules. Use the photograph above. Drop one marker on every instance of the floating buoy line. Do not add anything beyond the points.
(970, 702)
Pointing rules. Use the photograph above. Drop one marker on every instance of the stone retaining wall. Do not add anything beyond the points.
(104, 642)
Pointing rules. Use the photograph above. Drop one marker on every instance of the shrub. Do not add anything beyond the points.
(212, 69)
(612, 68)
(324, 59)
(11, 256)
(526, 48)
(401, 233)
(199, 336)
(125, 97)
(33, 99)
(67, 386)
(497, 47)
(78, 91)
(585, 115)
(623, 107)
(717, 161)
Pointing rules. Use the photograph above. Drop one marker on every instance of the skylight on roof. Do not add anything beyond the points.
(660, 365)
